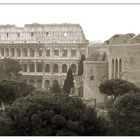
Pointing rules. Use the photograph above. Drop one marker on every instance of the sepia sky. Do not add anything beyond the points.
(99, 22)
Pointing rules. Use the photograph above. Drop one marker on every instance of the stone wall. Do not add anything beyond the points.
(94, 73)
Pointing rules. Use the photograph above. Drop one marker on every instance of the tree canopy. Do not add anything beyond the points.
(55, 87)
(125, 115)
(9, 67)
(11, 90)
(117, 87)
(51, 114)
(68, 83)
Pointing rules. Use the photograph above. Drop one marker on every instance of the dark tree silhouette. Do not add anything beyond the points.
(9, 68)
(55, 87)
(81, 67)
(11, 90)
(68, 83)
(51, 115)
(117, 87)
(125, 115)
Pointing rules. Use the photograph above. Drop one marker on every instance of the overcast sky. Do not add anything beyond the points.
(99, 22)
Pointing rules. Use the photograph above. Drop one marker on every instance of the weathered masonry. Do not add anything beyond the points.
(46, 51)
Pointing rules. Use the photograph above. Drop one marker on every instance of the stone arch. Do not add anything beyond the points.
(32, 52)
(24, 67)
(32, 67)
(116, 68)
(32, 82)
(47, 68)
(25, 52)
(64, 68)
(112, 68)
(55, 68)
(39, 83)
(47, 84)
(18, 52)
(73, 68)
(120, 68)
(39, 67)
(12, 52)
(7, 51)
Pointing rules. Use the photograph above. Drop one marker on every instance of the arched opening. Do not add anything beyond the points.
(32, 52)
(112, 68)
(55, 68)
(73, 68)
(25, 52)
(120, 68)
(39, 83)
(116, 69)
(24, 68)
(32, 67)
(39, 67)
(31, 82)
(12, 52)
(7, 52)
(64, 68)
(18, 52)
(47, 84)
(47, 68)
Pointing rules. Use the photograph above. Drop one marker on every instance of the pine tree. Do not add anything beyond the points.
(68, 83)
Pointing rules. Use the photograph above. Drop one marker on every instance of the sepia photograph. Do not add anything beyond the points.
(69, 69)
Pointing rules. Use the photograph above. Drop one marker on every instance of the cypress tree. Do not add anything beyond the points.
(80, 68)
(68, 83)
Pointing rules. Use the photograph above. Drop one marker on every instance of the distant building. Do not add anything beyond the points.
(46, 51)
(118, 57)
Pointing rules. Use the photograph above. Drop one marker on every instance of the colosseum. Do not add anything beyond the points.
(46, 51)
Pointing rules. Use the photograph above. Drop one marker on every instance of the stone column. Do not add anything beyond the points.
(69, 52)
(15, 52)
(28, 70)
(118, 68)
(51, 68)
(4, 52)
(114, 68)
(9, 52)
(43, 81)
(60, 69)
(28, 52)
(43, 70)
(35, 67)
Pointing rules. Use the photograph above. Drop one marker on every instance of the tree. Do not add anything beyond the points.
(55, 87)
(11, 90)
(117, 87)
(9, 68)
(125, 115)
(80, 68)
(52, 115)
(68, 83)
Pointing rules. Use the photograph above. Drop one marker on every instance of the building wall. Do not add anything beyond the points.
(94, 73)
(45, 51)
(123, 62)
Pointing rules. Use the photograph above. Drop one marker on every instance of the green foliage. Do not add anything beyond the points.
(55, 87)
(117, 87)
(125, 115)
(53, 115)
(80, 68)
(9, 68)
(11, 90)
(68, 83)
